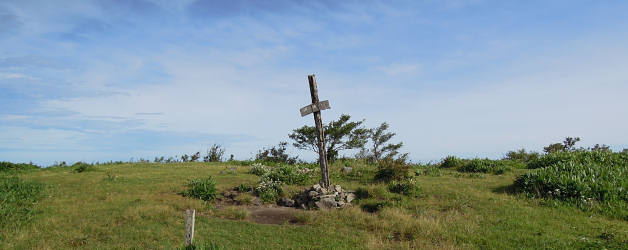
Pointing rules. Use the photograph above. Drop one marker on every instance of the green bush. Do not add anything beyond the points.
(8, 166)
(204, 189)
(269, 190)
(362, 193)
(580, 177)
(522, 156)
(289, 174)
(484, 166)
(259, 169)
(80, 167)
(408, 187)
(451, 162)
(392, 169)
(17, 198)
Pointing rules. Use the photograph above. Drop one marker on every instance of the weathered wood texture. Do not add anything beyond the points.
(314, 107)
(321, 135)
(189, 227)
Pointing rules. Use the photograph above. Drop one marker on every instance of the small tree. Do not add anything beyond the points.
(603, 148)
(339, 135)
(380, 137)
(567, 145)
(570, 142)
(214, 154)
(195, 157)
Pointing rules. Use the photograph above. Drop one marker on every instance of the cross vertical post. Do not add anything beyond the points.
(322, 153)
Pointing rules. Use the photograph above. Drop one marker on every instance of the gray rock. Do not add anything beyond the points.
(312, 194)
(316, 187)
(256, 201)
(286, 202)
(326, 203)
(341, 203)
(338, 188)
(350, 197)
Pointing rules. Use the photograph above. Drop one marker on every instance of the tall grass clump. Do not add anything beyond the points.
(17, 198)
(484, 166)
(581, 177)
(204, 189)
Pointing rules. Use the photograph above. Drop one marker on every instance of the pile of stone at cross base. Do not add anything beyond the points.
(318, 197)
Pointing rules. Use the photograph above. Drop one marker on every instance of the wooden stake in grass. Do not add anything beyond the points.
(316, 108)
(189, 227)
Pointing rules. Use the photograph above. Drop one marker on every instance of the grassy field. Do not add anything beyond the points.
(138, 206)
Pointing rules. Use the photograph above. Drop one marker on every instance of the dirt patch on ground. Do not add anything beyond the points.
(273, 215)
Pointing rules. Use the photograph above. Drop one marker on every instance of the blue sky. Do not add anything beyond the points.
(110, 80)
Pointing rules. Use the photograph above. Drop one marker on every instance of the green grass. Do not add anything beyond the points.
(138, 206)
(17, 198)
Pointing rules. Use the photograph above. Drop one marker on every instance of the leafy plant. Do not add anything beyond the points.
(289, 174)
(204, 189)
(580, 177)
(269, 190)
(259, 169)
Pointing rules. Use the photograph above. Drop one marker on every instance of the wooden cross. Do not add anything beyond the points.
(316, 108)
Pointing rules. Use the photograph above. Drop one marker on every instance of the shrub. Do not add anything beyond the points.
(17, 198)
(204, 189)
(521, 155)
(81, 167)
(406, 187)
(269, 190)
(259, 169)
(214, 154)
(276, 154)
(392, 169)
(289, 174)
(484, 166)
(8, 166)
(451, 162)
